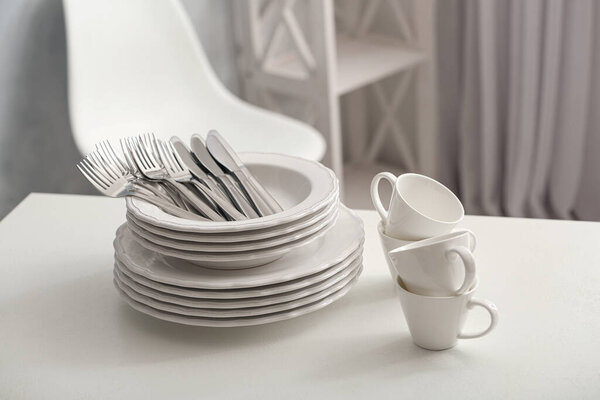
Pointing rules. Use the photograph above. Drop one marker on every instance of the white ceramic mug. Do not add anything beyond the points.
(388, 244)
(436, 323)
(439, 266)
(420, 207)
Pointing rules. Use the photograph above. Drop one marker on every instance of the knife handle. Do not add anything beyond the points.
(261, 191)
(261, 205)
(237, 196)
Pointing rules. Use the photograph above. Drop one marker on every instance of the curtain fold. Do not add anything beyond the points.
(527, 140)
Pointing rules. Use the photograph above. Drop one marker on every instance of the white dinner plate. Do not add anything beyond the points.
(232, 260)
(245, 236)
(258, 291)
(123, 277)
(234, 322)
(300, 186)
(232, 247)
(241, 312)
(340, 241)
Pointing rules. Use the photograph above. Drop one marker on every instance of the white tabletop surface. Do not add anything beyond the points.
(65, 334)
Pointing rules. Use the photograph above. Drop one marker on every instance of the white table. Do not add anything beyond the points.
(65, 334)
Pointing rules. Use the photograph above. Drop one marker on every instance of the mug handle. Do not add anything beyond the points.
(472, 240)
(491, 308)
(469, 262)
(388, 176)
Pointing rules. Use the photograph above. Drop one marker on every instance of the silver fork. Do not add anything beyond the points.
(109, 182)
(128, 147)
(177, 170)
(151, 167)
(107, 154)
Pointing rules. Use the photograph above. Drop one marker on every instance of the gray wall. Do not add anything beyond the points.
(37, 152)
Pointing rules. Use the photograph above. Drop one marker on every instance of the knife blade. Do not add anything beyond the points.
(206, 186)
(203, 156)
(184, 153)
(226, 156)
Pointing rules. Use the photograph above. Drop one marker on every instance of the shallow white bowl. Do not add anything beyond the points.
(302, 187)
(244, 236)
(252, 245)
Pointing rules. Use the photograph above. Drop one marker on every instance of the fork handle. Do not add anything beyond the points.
(223, 203)
(169, 208)
(196, 201)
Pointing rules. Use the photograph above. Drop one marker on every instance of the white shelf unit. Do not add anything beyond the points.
(310, 53)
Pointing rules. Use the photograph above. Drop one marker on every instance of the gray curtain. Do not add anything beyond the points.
(520, 97)
(37, 152)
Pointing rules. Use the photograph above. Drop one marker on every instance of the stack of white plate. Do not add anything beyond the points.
(244, 272)
(306, 190)
(304, 280)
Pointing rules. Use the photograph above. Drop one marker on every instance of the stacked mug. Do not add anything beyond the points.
(431, 263)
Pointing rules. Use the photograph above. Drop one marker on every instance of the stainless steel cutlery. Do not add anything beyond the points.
(227, 182)
(201, 183)
(220, 150)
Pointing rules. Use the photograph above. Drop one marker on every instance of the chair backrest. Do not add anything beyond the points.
(134, 66)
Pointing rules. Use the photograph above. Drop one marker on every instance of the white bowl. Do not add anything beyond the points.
(252, 245)
(302, 187)
(244, 236)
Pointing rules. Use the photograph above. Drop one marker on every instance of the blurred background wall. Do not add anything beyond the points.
(519, 94)
(37, 152)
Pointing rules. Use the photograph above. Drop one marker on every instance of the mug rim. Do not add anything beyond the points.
(400, 285)
(432, 240)
(412, 174)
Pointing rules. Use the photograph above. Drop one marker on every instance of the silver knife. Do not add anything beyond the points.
(224, 154)
(213, 193)
(204, 157)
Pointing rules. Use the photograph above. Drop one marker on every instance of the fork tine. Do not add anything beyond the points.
(94, 155)
(128, 157)
(95, 166)
(90, 179)
(102, 153)
(141, 150)
(113, 155)
(155, 144)
(153, 148)
(92, 169)
(136, 154)
(166, 162)
(107, 163)
(147, 151)
(85, 170)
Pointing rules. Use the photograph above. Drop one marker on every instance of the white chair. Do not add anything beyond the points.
(137, 66)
